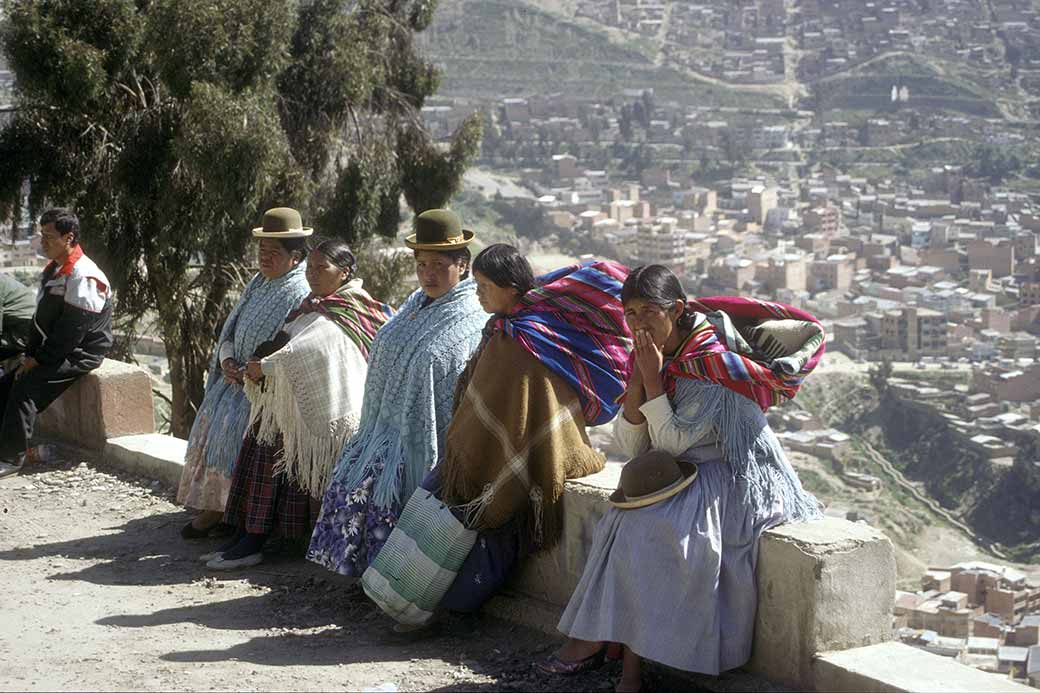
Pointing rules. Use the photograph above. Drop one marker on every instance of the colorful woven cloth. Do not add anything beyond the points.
(574, 323)
(759, 349)
(352, 310)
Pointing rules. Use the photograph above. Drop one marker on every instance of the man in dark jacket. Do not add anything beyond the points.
(17, 305)
(72, 332)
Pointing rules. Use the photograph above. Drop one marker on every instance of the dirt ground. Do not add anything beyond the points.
(101, 593)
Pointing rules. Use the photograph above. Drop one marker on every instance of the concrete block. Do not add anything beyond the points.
(892, 667)
(150, 455)
(822, 585)
(113, 400)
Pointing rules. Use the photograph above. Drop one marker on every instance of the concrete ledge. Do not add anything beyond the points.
(151, 455)
(894, 667)
(113, 400)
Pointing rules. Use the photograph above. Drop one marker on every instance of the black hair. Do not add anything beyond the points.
(455, 255)
(339, 254)
(506, 267)
(294, 245)
(65, 222)
(657, 284)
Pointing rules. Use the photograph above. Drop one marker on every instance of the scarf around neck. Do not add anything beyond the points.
(352, 310)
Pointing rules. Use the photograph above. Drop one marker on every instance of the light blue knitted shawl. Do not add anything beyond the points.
(752, 449)
(416, 358)
(224, 415)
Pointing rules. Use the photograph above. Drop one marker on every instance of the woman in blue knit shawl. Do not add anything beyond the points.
(220, 425)
(415, 360)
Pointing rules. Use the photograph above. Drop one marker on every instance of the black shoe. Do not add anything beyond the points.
(190, 531)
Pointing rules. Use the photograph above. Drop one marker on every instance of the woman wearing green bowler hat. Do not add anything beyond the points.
(413, 366)
(221, 422)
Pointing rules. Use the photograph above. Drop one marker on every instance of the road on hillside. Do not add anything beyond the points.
(101, 593)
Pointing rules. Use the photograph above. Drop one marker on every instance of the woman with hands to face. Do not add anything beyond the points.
(671, 571)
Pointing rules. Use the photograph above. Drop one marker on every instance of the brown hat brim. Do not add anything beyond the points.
(689, 471)
(291, 233)
(467, 238)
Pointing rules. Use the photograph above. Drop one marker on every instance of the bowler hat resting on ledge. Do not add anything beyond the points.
(439, 229)
(650, 478)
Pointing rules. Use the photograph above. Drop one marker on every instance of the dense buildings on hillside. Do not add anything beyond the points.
(983, 614)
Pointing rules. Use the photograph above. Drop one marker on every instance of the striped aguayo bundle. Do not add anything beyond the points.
(760, 349)
(574, 324)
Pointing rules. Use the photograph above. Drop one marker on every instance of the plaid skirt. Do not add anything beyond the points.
(261, 502)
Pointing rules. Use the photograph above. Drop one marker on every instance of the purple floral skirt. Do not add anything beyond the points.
(351, 529)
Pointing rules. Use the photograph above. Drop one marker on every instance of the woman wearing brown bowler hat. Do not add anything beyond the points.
(671, 571)
(414, 362)
(216, 435)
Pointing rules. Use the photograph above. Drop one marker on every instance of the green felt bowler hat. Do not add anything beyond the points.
(282, 222)
(438, 229)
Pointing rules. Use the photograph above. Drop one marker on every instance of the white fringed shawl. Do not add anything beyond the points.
(312, 395)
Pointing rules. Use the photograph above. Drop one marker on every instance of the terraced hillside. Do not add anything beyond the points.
(499, 48)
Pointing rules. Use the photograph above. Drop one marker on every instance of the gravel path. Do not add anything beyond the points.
(101, 593)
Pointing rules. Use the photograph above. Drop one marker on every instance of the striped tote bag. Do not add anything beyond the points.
(419, 561)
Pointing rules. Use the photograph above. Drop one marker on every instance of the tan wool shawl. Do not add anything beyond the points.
(516, 436)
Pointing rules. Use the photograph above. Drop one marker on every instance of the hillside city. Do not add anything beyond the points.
(872, 162)
(906, 219)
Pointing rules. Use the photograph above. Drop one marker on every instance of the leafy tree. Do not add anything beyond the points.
(879, 376)
(170, 126)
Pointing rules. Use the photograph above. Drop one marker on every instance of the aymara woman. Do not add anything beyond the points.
(518, 432)
(415, 361)
(674, 580)
(306, 387)
(221, 422)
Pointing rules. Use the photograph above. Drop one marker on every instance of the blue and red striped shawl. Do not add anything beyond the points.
(574, 323)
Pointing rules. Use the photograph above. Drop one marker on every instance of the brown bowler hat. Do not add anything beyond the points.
(650, 478)
(438, 229)
(282, 222)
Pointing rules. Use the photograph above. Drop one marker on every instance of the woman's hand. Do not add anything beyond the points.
(635, 397)
(253, 371)
(649, 359)
(232, 371)
(649, 362)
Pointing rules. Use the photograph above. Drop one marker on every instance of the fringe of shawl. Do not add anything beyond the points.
(751, 448)
(306, 458)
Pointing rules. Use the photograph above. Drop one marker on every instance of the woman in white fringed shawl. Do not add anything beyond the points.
(306, 387)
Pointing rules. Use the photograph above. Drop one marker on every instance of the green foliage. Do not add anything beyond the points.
(879, 375)
(170, 126)
(990, 162)
(386, 270)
